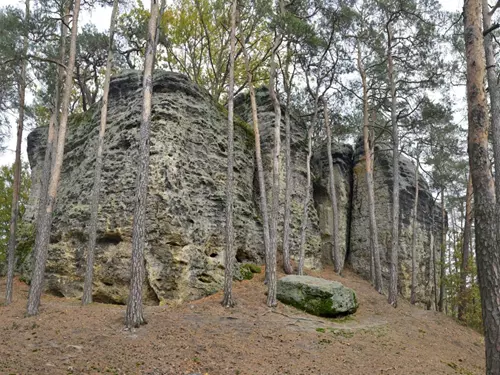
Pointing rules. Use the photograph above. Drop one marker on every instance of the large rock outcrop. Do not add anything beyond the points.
(186, 200)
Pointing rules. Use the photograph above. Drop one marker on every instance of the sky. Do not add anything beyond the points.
(100, 18)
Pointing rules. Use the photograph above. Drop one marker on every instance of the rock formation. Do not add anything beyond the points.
(185, 247)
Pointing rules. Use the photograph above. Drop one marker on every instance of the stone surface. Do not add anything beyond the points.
(186, 202)
(317, 296)
(428, 224)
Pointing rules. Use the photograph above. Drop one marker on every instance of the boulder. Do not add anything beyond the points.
(317, 296)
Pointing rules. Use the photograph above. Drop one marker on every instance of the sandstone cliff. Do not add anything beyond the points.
(185, 248)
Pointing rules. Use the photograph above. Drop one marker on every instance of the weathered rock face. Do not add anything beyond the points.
(186, 200)
(428, 224)
(317, 296)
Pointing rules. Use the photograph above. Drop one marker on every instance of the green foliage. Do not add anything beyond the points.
(6, 186)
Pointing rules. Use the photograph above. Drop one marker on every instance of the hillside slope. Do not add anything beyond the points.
(203, 337)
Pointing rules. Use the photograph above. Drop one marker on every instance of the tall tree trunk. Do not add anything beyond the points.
(287, 83)
(337, 261)
(94, 204)
(393, 272)
(487, 254)
(272, 282)
(303, 227)
(42, 238)
(375, 265)
(442, 260)
(258, 154)
(228, 301)
(413, 296)
(134, 316)
(51, 146)
(11, 247)
(464, 269)
(494, 91)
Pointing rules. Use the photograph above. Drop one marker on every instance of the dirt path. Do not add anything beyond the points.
(250, 339)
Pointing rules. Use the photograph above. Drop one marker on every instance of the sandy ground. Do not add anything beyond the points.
(250, 339)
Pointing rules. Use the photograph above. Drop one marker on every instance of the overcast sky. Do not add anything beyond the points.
(101, 19)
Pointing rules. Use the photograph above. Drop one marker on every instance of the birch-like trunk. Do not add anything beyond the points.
(134, 316)
(393, 269)
(227, 300)
(42, 238)
(303, 228)
(94, 204)
(487, 254)
(11, 246)
(375, 266)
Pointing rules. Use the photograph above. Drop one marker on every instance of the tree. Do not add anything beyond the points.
(464, 269)
(17, 165)
(94, 205)
(487, 254)
(6, 192)
(43, 230)
(413, 296)
(228, 301)
(134, 316)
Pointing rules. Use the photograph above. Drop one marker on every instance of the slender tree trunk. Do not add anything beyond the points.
(134, 316)
(494, 91)
(228, 301)
(272, 282)
(50, 149)
(287, 82)
(258, 154)
(94, 204)
(42, 238)
(487, 254)
(434, 271)
(338, 263)
(464, 269)
(11, 247)
(442, 260)
(374, 253)
(303, 228)
(393, 273)
(413, 296)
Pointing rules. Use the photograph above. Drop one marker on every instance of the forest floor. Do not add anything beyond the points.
(250, 339)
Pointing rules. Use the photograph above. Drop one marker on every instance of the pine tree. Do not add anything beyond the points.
(134, 316)
(11, 248)
(43, 229)
(227, 300)
(94, 205)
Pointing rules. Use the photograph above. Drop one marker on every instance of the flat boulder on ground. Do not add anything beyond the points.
(317, 296)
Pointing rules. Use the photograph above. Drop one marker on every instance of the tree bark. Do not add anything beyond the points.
(393, 272)
(442, 260)
(494, 91)
(336, 259)
(287, 83)
(227, 300)
(258, 154)
(94, 204)
(43, 236)
(134, 316)
(487, 255)
(11, 247)
(303, 228)
(272, 282)
(375, 266)
(464, 269)
(413, 296)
